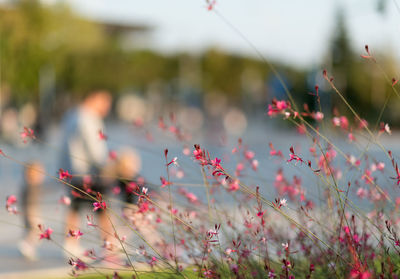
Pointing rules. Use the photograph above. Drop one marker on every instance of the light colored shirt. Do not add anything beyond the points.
(83, 151)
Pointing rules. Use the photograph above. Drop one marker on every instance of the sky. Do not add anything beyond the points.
(292, 31)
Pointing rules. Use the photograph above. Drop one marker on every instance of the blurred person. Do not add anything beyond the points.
(30, 195)
(127, 168)
(84, 155)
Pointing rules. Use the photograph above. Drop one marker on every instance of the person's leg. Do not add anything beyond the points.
(27, 246)
(106, 228)
(72, 220)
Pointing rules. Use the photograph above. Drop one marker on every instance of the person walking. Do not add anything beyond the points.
(84, 155)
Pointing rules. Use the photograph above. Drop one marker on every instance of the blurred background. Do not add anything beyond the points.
(159, 57)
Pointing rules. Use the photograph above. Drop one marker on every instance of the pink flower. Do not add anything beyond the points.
(27, 134)
(99, 205)
(138, 122)
(152, 262)
(112, 155)
(65, 200)
(102, 136)
(76, 234)
(216, 163)
(318, 116)
(301, 129)
(78, 264)
(279, 203)
(186, 151)
(234, 186)
(351, 137)
(344, 123)
(384, 128)
(387, 129)
(164, 182)
(293, 156)
(367, 177)
(341, 122)
(277, 107)
(12, 199)
(174, 161)
(191, 197)
(90, 221)
(90, 254)
(144, 207)
(64, 174)
(274, 152)
(380, 166)
(357, 274)
(260, 213)
(336, 121)
(116, 190)
(211, 4)
(239, 169)
(199, 154)
(363, 124)
(45, 234)
(132, 187)
(254, 165)
(249, 154)
(361, 192)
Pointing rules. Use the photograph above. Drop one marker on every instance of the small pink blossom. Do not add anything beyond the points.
(90, 221)
(11, 200)
(293, 156)
(336, 121)
(78, 264)
(344, 122)
(254, 165)
(102, 136)
(116, 190)
(164, 182)
(99, 205)
(186, 151)
(191, 197)
(174, 161)
(152, 262)
(380, 166)
(64, 174)
(45, 233)
(351, 137)
(211, 4)
(249, 154)
(112, 155)
(363, 124)
(362, 193)
(319, 116)
(65, 200)
(274, 152)
(234, 186)
(75, 234)
(28, 133)
(277, 107)
(387, 129)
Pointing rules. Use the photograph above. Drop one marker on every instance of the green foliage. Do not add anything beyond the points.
(83, 54)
